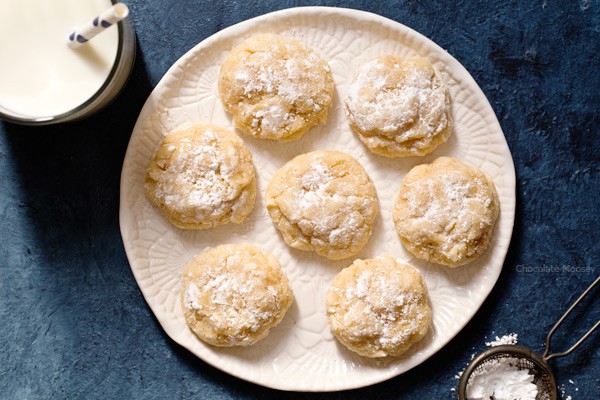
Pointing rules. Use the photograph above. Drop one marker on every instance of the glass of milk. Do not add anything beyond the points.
(43, 80)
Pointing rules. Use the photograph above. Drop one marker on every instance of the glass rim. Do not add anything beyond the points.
(80, 111)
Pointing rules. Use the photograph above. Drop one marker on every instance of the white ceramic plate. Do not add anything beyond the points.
(301, 354)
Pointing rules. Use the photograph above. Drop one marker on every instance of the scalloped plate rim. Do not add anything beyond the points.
(231, 31)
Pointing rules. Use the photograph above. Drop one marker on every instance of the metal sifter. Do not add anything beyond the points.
(524, 358)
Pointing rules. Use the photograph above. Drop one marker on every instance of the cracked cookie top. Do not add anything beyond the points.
(323, 201)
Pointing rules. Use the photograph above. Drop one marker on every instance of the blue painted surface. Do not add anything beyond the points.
(74, 323)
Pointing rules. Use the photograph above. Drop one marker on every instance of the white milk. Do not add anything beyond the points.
(40, 75)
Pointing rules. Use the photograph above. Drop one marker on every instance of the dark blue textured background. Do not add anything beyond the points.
(73, 323)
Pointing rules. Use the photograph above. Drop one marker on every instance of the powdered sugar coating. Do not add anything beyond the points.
(323, 201)
(233, 294)
(202, 177)
(275, 88)
(378, 307)
(399, 107)
(445, 211)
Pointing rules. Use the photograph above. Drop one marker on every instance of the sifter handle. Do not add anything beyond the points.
(547, 356)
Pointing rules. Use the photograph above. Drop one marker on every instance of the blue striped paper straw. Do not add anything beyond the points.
(111, 16)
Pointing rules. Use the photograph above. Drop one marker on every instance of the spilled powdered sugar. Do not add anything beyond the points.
(511, 338)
